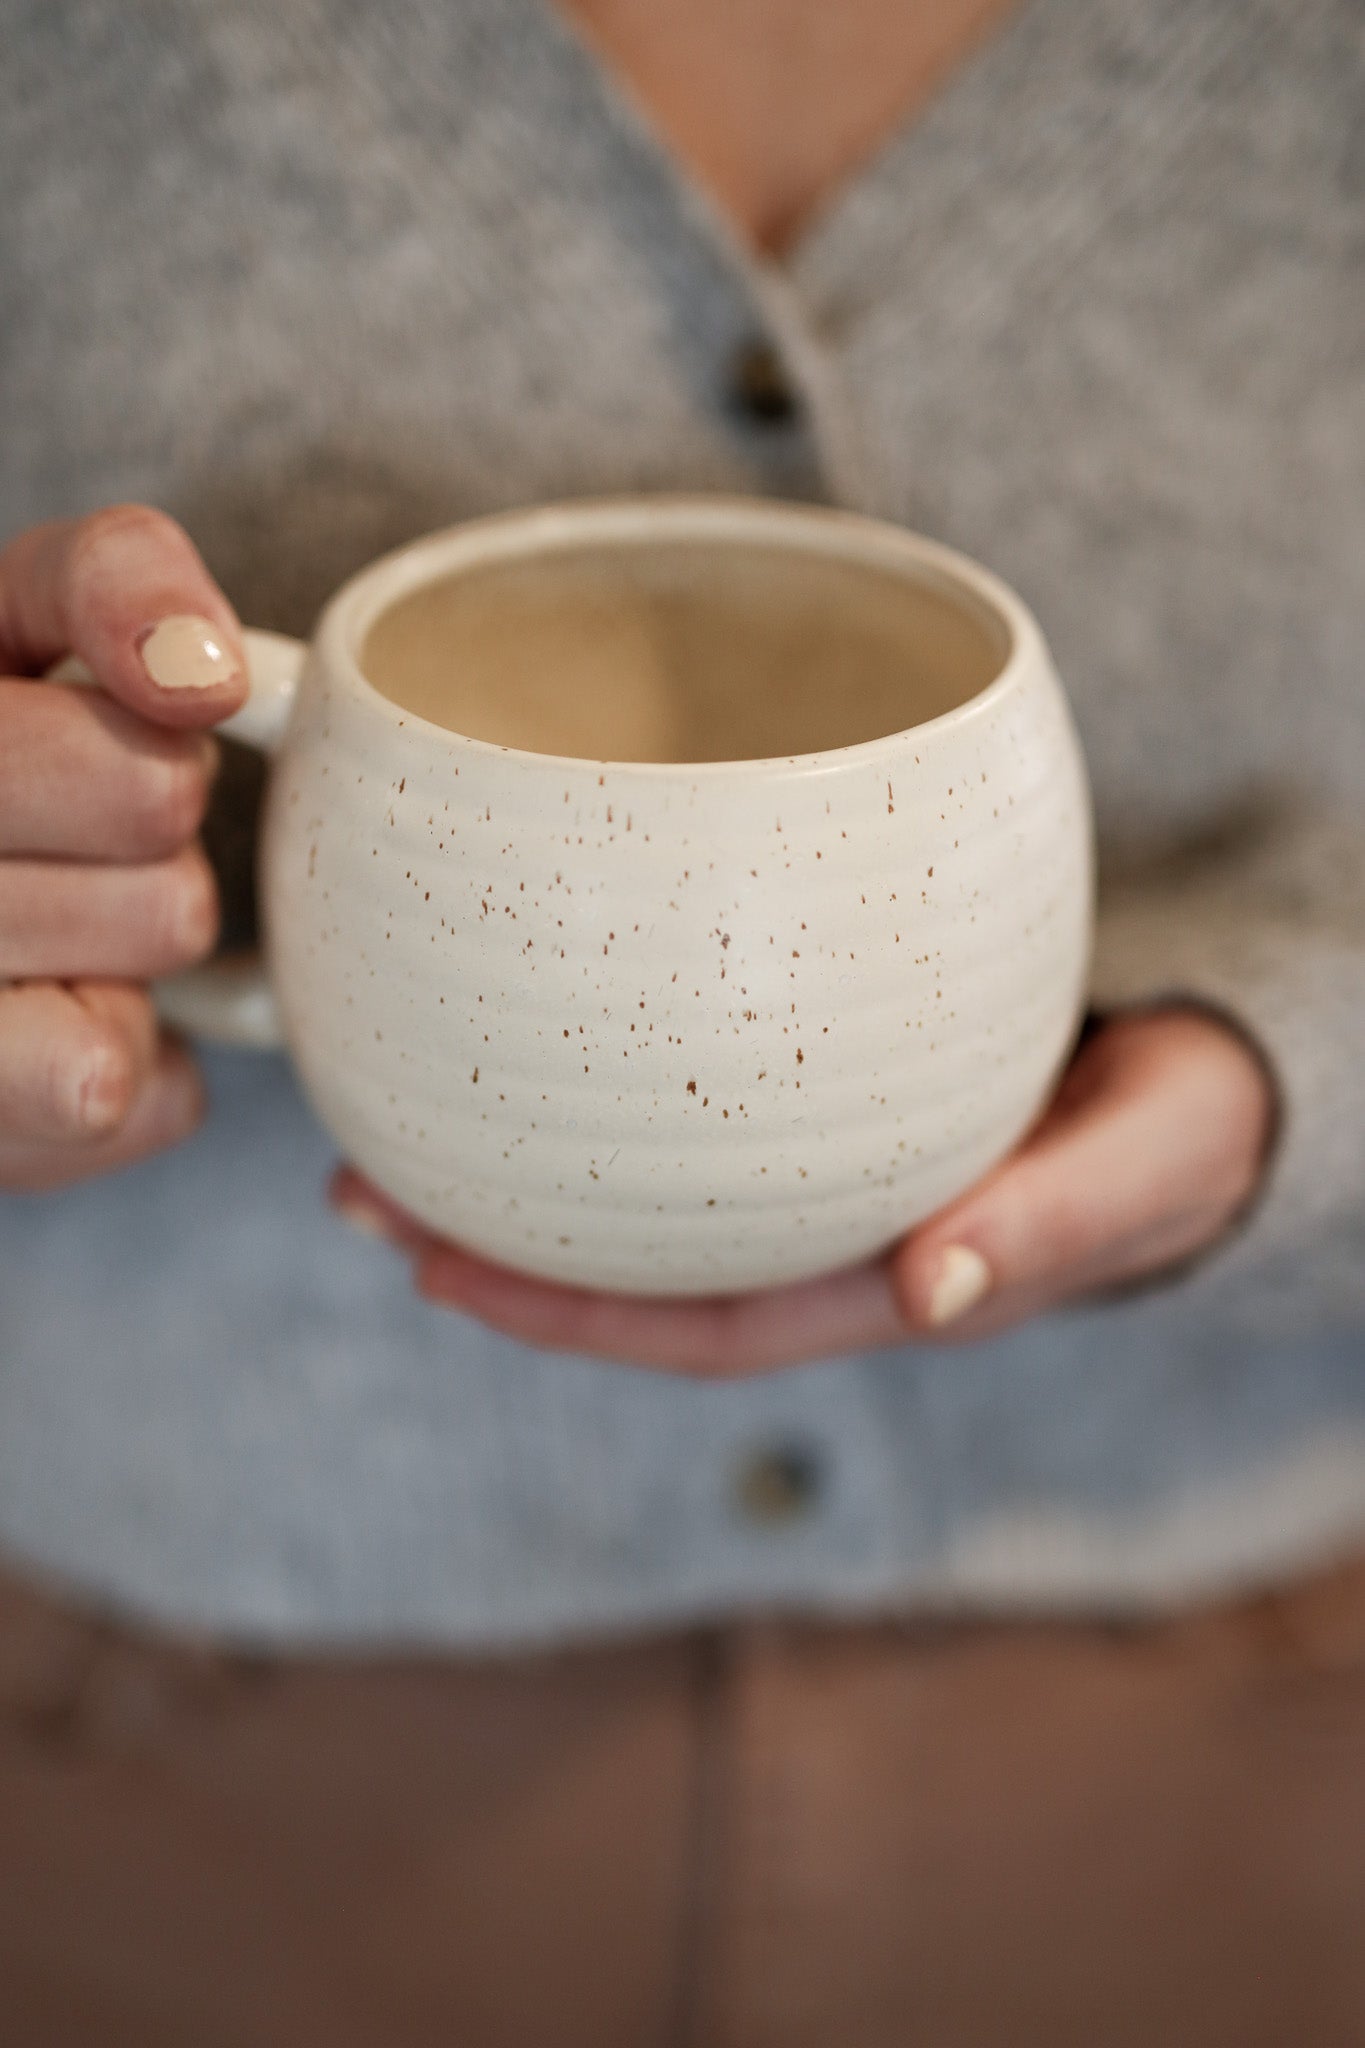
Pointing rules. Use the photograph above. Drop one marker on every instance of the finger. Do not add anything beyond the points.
(127, 591)
(72, 1060)
(712, 1338)
(62, 920)
(81, 776)
(1138, 1164)
(168, 1107)
(721, 1337)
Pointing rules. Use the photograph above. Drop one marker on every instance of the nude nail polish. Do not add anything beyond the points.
(183, 652)
(963, 1279)
(365, 1217)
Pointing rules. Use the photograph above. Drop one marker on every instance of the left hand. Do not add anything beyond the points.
(1153, 1144)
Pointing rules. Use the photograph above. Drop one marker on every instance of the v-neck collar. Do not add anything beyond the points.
(786, 288)
(1024, 156)
(782, 267)
(1028, 107)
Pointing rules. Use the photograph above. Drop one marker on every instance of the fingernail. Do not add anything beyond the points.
(366, 1217)
(183, 652)
(100, 1092)
(963, 1278)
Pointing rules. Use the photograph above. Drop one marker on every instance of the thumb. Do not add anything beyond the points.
(126, 591)
(1149, 1149)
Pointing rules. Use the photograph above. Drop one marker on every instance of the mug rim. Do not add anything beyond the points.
(830, 531)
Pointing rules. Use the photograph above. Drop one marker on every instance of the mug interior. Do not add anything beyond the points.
(684, 645)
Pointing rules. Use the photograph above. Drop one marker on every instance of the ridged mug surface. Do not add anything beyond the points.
(668, 1028)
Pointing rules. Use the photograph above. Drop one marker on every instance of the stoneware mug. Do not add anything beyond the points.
(667, 895)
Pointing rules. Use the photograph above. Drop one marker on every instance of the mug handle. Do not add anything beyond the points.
(231, 1000)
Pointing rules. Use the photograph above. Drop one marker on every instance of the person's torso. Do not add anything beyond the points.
(319, 277)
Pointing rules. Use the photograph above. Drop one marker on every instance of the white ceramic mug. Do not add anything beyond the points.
(674, 1026)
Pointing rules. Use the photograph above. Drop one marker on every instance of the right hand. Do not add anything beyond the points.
(102, 885)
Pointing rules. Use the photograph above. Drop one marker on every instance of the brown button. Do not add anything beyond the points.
(779, 1485)
(761, 389)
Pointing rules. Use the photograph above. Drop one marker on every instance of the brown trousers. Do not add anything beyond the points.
(767, 1836)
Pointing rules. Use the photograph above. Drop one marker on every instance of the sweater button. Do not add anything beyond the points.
(761, 391)
(779, 1485)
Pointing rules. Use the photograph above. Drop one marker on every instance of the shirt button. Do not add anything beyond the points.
(781, 1484)
(760, 388)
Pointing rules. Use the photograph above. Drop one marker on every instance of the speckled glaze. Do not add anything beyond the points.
(670, 1028)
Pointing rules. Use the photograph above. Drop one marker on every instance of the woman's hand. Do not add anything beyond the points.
(1153, 1144)
(102, 887)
